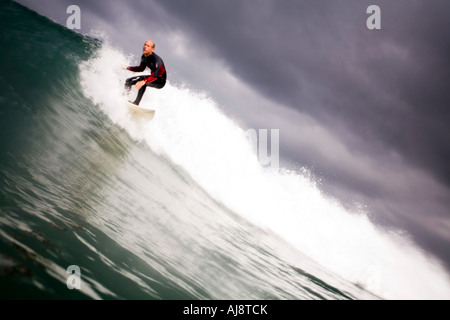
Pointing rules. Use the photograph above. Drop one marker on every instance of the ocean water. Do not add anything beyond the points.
(174, 208)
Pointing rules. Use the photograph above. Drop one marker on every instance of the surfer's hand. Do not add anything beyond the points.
(140, 84)
(124, 67)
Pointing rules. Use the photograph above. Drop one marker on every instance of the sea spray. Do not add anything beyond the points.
(191, 130)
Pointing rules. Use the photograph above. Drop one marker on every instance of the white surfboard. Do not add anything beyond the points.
(140, 111)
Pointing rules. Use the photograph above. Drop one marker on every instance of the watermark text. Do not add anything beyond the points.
(74, 280)
(260, 142)
(74, 20)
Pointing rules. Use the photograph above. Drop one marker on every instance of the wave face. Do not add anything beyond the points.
(175, 208)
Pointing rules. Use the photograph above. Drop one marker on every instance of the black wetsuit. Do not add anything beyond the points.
(156, 80)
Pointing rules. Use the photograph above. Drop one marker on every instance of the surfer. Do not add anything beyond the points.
(158, 77)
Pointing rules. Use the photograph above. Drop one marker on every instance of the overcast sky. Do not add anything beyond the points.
(366, 110)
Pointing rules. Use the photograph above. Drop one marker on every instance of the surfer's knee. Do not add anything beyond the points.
(128, 83)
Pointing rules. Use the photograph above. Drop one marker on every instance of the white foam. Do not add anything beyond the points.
(190, 128)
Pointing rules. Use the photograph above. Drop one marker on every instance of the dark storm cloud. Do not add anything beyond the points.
(389, 86)
(379, 98)
(383, 93)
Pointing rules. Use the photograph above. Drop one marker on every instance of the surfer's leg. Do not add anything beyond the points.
(132, 81)
(157, 84)
(140, 95)
(128, 84)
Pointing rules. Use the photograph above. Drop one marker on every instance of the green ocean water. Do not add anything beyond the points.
(77, 188)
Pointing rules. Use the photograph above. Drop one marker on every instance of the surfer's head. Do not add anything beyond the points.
(149, 47)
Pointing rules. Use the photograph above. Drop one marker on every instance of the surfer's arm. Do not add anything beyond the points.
(139, 68)
(149, 79)
(139, 84)
(146, 80)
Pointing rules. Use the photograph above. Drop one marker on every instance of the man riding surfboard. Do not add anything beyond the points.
(157, 79)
